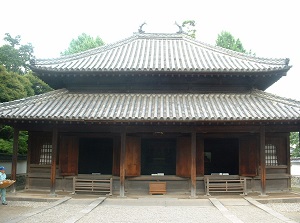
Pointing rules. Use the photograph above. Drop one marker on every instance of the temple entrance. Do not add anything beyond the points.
(95, 156)
(221, 156)
(158, 156)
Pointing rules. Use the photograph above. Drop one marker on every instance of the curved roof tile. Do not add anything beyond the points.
(160, 52)
(67, 105)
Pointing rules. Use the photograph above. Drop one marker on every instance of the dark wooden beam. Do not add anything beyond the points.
(160, 126)
(14, 159)
(53, 161)
(122, 164)
(263, 160)
(193, 165)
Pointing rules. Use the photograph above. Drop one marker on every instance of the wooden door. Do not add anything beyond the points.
(248, 156)
(133, 156)
(68, 155)
(183, 157)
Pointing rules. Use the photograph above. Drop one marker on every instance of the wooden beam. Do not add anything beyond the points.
(193, 165)
(14, 159)
(122, 164)
(169, 126)
(263, 160)
(53, 161)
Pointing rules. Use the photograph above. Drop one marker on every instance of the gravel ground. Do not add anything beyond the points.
(61, 212)
(249, 214)
(143, 210)
(154, 214)
(15, 209)
(290, 210)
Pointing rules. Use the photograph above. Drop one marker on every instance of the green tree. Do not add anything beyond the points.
(15, 86)
(226, 40)
(82, 43)
(14, 60)
(6, 140)
(11, 87)
(189, 26)
(14, 56)
(294, 143)
(37, 85)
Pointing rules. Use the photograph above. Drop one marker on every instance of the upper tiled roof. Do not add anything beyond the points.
(64, 105)
(163, 53)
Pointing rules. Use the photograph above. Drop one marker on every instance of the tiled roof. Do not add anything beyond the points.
(163, 53)
(66, 105)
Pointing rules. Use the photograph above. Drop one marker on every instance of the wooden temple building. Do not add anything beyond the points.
(156, 107)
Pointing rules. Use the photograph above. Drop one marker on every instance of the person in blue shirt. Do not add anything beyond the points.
(3, 190)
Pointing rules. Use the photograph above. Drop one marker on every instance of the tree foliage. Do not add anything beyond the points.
(14, 56)
(82, 43)
(294, 143)
(37, 85)
(16, 82)
(11, 86)
(6, 140)
(189, 26)
(226, 40)
(14, 86)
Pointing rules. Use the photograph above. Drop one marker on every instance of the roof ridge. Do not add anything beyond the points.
(107, 46)
(237, 54)
(273, 97)
(185, 36)
(84, 53)
(176, 52)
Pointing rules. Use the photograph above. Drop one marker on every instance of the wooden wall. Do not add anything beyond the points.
(68, 151)
(68, 155)
(249, 159)
(133, 156)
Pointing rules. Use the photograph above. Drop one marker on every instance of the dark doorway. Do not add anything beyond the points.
(158, 156)
(95, 156)
(221, 156)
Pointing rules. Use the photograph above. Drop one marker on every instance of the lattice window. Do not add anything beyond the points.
(46, 154)
(271, 155)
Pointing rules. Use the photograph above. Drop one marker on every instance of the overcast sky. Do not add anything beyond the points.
(268, 28)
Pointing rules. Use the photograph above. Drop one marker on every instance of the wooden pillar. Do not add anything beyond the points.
(263, 160)
(122, 164)
(53, 161)
(28, 159)
(14, 159)
(193, 165)
(288, 161)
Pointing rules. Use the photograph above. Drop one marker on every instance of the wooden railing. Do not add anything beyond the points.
(103, 186)
(221, 185)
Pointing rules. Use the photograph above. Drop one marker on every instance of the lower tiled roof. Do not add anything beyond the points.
(71, 105)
